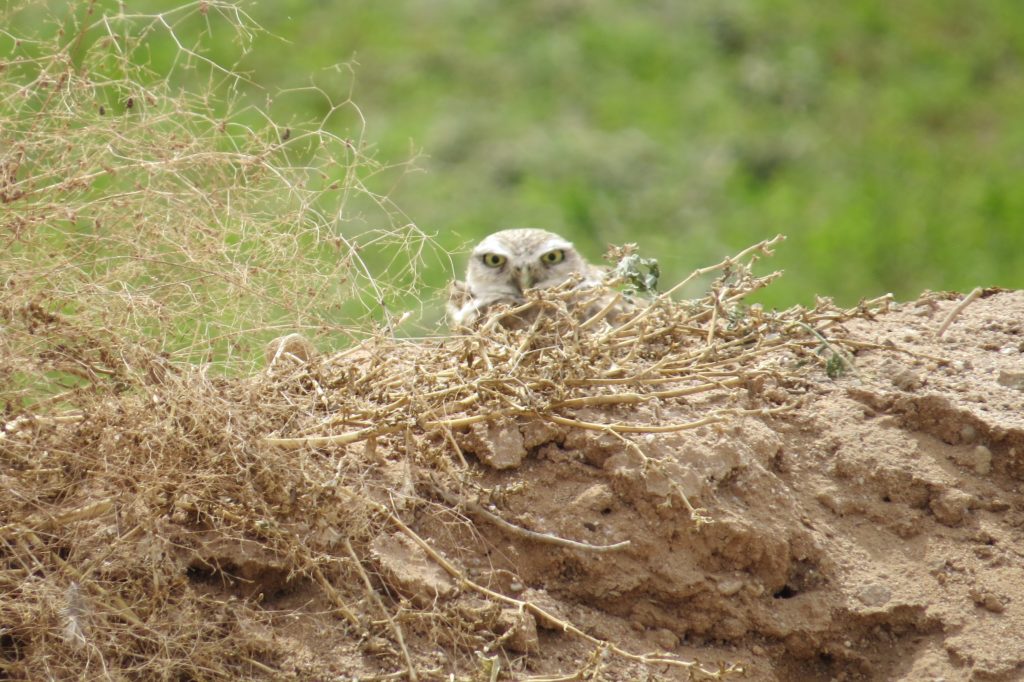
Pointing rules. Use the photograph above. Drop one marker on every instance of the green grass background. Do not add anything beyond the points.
(886, 139)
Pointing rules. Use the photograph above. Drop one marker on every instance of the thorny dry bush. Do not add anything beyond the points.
(160, 222)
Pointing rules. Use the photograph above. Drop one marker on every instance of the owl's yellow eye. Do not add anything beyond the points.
(552, 257)
(493, 260)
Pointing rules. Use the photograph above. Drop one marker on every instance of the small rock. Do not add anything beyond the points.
(730, 628)
(665, 639)
(407, 569)
(498, 444)
(951, 507)
(998, 504)
(801, 644)
(1013, 380)
(596, 498)
(730, 586)
(978, 458)
(537, 432)
(672, 477)
(987, 600)
(523, 627)
(907, 380)
(758, 650)
(874, 594)
(621, 463)
(982, 460)
(993, 603)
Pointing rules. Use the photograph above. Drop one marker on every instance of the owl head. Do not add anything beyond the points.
(507, 263)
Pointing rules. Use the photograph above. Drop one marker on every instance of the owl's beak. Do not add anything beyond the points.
(524, 279)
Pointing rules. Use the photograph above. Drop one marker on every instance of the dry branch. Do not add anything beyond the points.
(957, 309)
(476, 509)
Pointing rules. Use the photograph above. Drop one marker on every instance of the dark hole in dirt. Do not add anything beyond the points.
(589, 525)
(818, 666)
(208, 575)
(606, 511)
(886, 498)
(570, 572)
(786, 592)
(9, 649)
(248, 579)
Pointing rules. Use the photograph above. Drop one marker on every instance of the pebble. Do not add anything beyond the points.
(730, 586)
(982, 460)
(666, 639)
(951, 507)
(874, 594)
(1013, 380)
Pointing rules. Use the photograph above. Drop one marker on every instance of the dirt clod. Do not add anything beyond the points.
(409, 571)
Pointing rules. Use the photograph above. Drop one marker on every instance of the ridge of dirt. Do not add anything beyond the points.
(873, 533)
(866, 527)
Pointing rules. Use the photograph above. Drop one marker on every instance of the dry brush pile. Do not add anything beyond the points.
(166, 531)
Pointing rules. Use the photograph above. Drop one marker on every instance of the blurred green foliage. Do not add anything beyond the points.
(886, 139)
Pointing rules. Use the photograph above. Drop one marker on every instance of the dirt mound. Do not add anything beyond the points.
(706, 490)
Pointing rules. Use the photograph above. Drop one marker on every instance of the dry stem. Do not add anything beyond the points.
(959, 308)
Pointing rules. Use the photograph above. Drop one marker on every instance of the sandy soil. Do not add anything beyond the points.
(875, 533)
(872, 532)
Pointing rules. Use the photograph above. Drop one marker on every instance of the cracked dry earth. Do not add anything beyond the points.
(874, 533)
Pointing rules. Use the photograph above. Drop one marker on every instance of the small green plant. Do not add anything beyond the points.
(837, 360)
(639, 275)
(835, 366)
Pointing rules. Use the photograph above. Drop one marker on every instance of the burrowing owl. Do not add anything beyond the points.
(507, 263)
